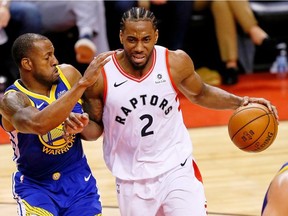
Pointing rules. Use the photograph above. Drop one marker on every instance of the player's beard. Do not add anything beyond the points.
(56, 81)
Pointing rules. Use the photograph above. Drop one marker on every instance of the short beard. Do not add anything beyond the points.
(56, 81)
(138, 67)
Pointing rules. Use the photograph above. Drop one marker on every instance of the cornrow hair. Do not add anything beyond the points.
(138, 14)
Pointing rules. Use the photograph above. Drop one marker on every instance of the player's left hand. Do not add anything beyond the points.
(75, 123)
(263, 101)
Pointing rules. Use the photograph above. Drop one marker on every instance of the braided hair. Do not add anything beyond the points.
(138, 14)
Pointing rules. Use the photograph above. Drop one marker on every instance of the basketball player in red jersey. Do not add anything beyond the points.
(146, 144)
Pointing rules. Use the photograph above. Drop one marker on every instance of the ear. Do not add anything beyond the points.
(156, 36)
(26, 64)
(121, 36)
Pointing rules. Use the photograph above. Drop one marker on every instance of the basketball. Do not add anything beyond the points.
(252, 128)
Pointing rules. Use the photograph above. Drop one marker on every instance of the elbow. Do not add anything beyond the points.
(198, 98)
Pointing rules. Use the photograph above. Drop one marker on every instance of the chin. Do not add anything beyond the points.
(56, 81)
(139, 66)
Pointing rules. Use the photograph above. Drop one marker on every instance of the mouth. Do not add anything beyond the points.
(56, 71)
(138, 58)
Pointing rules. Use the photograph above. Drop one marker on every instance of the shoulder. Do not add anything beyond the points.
(280, 184)
(70, 72)
(179, 58)
(180, 64)
(67, 69)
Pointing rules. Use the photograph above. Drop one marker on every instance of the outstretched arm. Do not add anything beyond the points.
(18, 113)
(198, 92)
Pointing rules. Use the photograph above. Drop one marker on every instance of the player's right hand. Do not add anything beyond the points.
(94, 69)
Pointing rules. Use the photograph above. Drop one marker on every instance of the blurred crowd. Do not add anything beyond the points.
(81, 29)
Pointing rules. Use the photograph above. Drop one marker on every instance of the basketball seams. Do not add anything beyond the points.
(238, 112)
(250, 122)
(267, 125)
(254, 127)
(275, 126)
(247, 108)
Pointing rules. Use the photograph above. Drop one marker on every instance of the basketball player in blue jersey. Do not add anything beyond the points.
(275, 201)
(53, 176)
(146, 144)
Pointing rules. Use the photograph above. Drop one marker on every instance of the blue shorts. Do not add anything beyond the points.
(72, 192)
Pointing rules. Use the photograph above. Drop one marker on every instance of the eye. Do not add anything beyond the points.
(147, 40)
(131, 40)
(49, 56)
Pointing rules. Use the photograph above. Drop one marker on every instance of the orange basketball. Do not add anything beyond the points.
(252, 128)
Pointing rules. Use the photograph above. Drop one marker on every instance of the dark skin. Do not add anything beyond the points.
(38, 73)
(277, 196)
(138, 40)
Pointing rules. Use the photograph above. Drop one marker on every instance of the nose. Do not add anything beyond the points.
(139, 46)
(54, 61)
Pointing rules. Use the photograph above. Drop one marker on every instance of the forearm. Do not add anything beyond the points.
(56, 113)
(25, 118)
(216, 98)
(92, 131)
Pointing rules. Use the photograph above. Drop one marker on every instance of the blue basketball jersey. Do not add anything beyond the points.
(40, 155)
(53, 176)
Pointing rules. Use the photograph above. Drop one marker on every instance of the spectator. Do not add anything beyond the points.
(227, 14)
(16, 18)
(89, 19)
(115, 9)
(171, 15)
(173, 19)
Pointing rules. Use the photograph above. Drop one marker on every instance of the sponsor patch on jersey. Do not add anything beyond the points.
(159, 79)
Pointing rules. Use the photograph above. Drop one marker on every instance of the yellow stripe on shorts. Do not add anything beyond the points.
(35, 211)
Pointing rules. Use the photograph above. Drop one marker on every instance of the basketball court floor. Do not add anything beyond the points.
(235, 181)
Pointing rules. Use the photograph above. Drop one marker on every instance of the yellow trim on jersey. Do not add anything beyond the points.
(31, 210)
(283, 170)
(35, 95)
(51, 97)
(13, 90)
(63, 78)
(66, 82)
